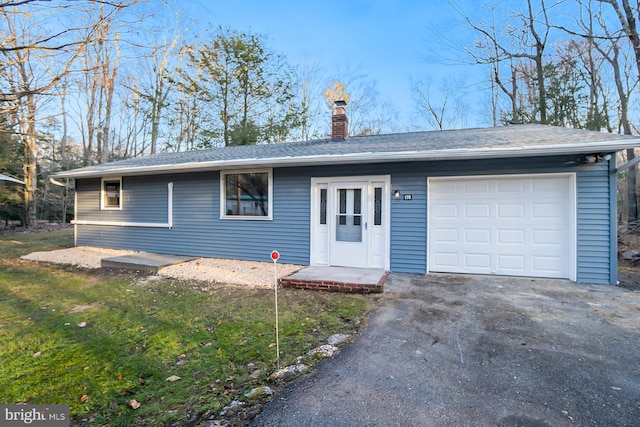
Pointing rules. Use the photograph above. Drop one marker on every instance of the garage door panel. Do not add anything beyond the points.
(547, 264)
(547, 237)
(477, 210)
(445, 235)
(510, 210)
(476, 187)
(447, 259)
(512, 264)
(509, 186)
(516, 225)
(547, 210)
(477, 235)
(478, 261)
(445, 211)
(509, 237)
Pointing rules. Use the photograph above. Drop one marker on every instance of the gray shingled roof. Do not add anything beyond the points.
(500, 142)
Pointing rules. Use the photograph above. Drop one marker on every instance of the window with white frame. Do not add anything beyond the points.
(246, 194)
(111, 193)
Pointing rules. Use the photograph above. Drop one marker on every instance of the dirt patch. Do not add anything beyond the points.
(40, 227)
(212, 270)
(83, 308)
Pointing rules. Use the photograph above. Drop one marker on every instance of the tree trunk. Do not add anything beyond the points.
(30, 145)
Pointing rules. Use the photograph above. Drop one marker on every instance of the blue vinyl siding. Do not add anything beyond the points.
(198, 229)
(593, 223)
(144, 199)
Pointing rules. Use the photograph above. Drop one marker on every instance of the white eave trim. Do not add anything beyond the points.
(368, 157)
(9, 179)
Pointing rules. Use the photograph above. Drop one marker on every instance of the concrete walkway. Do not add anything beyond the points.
(479, 351)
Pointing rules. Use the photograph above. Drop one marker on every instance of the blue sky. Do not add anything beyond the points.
(388, 41)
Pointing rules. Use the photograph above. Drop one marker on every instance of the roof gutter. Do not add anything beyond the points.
(367, 157)
(628, 165)
(9, 179)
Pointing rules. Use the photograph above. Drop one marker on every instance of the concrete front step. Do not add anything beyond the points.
(337, 279)
(144, 261)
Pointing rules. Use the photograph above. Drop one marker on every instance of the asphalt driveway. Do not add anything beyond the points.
(480, 351)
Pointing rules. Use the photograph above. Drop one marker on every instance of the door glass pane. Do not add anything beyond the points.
(357, 201)
(323, 206)
(349, 218)
(343, 201)
(377, 206)
(348, 231)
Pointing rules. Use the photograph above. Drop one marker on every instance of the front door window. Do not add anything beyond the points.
(349, 217)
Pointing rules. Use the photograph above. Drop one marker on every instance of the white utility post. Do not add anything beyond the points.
(275, 255)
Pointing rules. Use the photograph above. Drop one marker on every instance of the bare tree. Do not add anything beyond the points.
(445, 112)
(527, 41)
(33, 62)
(627, 16)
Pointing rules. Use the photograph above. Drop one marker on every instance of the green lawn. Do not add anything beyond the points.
(139, 332)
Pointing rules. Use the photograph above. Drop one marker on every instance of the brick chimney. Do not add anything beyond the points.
(339, 121)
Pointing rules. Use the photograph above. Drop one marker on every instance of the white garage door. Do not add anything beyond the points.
(513, 225)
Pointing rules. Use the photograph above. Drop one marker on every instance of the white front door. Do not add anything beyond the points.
(349, 237)
(350, 221)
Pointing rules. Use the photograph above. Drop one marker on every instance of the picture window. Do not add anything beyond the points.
(246, 194)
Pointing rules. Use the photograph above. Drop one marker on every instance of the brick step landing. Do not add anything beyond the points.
(337, 279)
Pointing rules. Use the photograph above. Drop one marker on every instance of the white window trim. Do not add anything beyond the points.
(223, 213)
(102, 205)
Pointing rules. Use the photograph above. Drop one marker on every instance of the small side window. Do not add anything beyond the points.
(111, 197)
(323, 206)
(377, 206)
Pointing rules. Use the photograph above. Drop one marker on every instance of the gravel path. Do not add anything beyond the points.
(233, 272)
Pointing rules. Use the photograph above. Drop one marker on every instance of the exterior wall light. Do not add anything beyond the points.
(396, 194)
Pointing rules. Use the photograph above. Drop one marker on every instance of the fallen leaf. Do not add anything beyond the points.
(173, 378)
(133, 403)
(84, 398)
(37, 354)
(219, 323)
(120, 377)
(82, 324)
(182, 356)
(272, 345)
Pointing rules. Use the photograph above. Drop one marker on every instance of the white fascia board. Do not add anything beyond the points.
(9, 179)
(368, 157)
